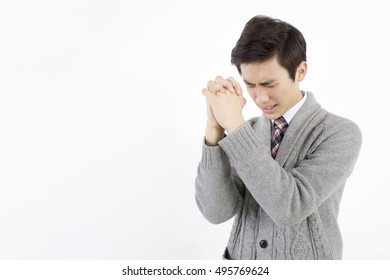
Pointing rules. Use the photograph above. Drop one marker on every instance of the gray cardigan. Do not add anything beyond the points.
(285, 208)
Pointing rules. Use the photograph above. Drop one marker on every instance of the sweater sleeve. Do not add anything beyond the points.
(290, 196)
(218, 191)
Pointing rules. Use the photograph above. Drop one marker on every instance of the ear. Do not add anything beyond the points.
(301, 71)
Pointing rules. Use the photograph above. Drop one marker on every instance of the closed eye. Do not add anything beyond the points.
(269, 85)
(249, 85)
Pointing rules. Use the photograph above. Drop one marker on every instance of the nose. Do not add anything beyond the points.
(261, 96)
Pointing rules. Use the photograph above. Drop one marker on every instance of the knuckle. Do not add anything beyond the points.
(218, 78)
(211, 85)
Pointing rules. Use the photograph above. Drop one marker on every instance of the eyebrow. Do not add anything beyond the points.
(267, 82)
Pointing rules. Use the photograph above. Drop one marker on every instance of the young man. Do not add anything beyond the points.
(280, 175)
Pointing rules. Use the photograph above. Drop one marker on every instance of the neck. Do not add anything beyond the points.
(297, 97)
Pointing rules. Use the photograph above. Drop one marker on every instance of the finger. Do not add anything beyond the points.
(225, 83)
(214, 87)
(236, 85)
(207, 93)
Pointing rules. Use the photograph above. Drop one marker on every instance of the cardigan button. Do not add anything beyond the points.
(263, 244)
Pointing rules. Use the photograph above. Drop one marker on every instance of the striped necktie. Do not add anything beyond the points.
(280, 126)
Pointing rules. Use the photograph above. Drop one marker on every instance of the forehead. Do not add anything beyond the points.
(259, 72)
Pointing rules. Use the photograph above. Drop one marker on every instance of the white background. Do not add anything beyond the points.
(102, 118)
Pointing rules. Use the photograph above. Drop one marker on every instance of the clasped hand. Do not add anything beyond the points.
(224, 104)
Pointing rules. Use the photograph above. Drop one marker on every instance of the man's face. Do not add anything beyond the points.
(271, 88)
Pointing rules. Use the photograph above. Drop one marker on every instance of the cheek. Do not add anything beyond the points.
(275, 94)
(278, 95)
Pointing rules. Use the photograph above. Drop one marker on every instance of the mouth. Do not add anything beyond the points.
(270, 109)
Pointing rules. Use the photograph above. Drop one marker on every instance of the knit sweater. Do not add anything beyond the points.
(287, 207)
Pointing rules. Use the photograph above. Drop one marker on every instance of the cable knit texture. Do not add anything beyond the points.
(292, 201)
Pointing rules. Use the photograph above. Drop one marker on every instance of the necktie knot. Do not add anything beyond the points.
(280, 125)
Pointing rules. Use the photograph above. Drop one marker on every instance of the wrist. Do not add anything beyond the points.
(213, 135)
(235, 125)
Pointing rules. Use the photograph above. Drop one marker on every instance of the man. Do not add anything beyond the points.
(280, 175)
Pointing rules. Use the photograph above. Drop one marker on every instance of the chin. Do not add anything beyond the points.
(272, 116)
